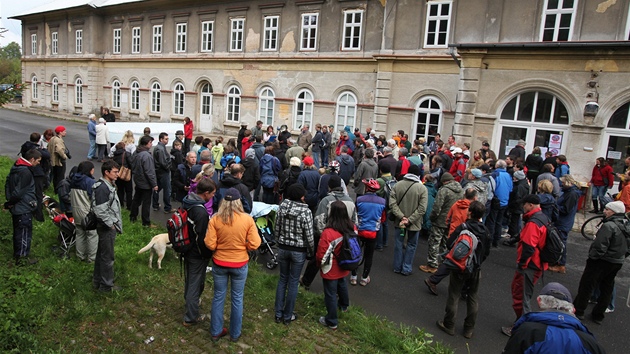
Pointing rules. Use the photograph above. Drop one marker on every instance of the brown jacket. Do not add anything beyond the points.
(57, 150)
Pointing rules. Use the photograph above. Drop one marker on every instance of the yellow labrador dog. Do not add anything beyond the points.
(158, 245)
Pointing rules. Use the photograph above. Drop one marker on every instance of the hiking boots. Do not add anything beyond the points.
(432, 287)
(449, 331)
(428, 269)
(558, 269)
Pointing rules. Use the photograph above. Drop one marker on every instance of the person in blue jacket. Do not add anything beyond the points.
(554, 330)
(500, 200)
(567, 208)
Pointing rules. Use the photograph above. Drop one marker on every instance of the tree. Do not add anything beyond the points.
(10, 71)
(11, 51)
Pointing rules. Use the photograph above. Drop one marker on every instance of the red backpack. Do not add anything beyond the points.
(178, 234)
(461, 256)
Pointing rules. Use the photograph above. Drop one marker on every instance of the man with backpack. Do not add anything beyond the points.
(468, 278)
(529, 263)
(386, 182)
(197, 257)
(605, 258)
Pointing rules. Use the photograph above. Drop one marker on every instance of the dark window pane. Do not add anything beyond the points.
(525, 107)
(567, 4)
(421, 130)
(543, 108)
(441, 38)
(432, 26)
(422, 118)
(563, 35)
(425, 104)
(434, 119)
(560, 115)
(445, 9)
(434, 104)
(552, 4)
(508, 111)
(433, 10)
(565, 20)
(619, 119)
(443, 26)
(550, 21)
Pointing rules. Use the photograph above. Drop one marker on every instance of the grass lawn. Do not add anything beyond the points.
(51, 307)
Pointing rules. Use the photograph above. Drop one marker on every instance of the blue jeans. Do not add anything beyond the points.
(221, 276)
(334, 288)
(291, 263)
(382, 235)
(403, 256)
(92, 151)
(599, 192)
(315, 157)
(325, 156)
(164, 185)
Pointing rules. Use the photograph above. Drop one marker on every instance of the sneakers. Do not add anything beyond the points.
(365, 281)
(223, 333)
(609, 310)
(449, 331)
(558, 269)
(353, 280)
(293, 318)
(322, 321)
(432, 287)
(507, 331)
(428, 269)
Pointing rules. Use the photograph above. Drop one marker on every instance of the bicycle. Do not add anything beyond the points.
(591, 226)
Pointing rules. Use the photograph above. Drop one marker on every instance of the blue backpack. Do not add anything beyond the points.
(351, 255)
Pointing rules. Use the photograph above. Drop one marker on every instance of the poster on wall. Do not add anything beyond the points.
(614, 155)
(555, 141)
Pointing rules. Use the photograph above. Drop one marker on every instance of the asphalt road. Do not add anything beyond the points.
(403, 299)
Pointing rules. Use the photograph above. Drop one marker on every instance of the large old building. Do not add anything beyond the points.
(554, 73)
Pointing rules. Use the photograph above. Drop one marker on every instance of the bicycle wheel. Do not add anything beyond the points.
(590, 227)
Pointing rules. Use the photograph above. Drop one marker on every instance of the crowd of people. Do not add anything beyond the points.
(439, 190)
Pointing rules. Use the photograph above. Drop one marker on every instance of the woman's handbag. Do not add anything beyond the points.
(124, 173)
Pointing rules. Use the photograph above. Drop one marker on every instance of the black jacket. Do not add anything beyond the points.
(251, 176)
(519, 190)
(230, 181)
(44, 165)
(198, 214)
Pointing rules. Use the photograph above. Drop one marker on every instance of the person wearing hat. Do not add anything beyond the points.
(518, 150)
(408, 203)
(179, 136)
(486, 153)
(554, 329)
(294, 234)
(447, 195)
(309, 178)
(515, 206)
(605, 258)
(231, 234)
(529, 265)
(474, 181)
(458, 168)
(58, 155)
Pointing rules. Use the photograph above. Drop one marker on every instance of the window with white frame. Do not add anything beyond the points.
(558, 20)
(352, 23)
(428, 118)
(78, 41)
(181, 37)
(54, 45)
(55, 89)
(156, 97)
(233, 104)
(117, 39)
(135, 96)
(207, 34)
(178, 99)
(236, 34)
(34, 88)
(157, 39)
(135, 40)
(303, 108)
(308, 39)
(270, 41)
(266, 105)
(116, 94)
(627, 34)
(33, 44)
(438, 23)
(346, 110)
(78, 91)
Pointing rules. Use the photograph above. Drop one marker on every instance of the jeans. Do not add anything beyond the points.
(599, 192)
(22, 234)
(195, 270)
(597, 293)
(324, 154)
(382, 235)
(403, 256)
(237, 277)
(92, 151)
(141, 196)
(164, 185)
(334, 288)
(103, 277)
(291, 263)
(596, 272)
(459, 281)
(102, 151)
(316, 156)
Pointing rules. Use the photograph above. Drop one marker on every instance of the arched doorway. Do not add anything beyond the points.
(617, 139)
(428, 119)
(205, 108)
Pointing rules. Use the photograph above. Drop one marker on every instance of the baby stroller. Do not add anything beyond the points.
(67, 234)
(265, 218)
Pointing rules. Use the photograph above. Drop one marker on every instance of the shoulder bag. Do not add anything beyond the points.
(124, 173)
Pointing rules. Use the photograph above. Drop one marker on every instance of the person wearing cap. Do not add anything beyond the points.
(241, 135)
(447, 195)
(143, 174)
(518, 150)
(367, 169)
(58, 155)
(458, 168)
(515, 206)
(474, 181)
(567, 206)
(529, 265)
(408, 203)
(309, 178)
(371, 215)
(91, 127)
(554, 329)
(294, 234)
(605, 258)
(179, 136)
(231, 234)
(333, 170)
(486, 153)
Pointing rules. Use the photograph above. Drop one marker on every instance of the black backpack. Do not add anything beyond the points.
(554, 247)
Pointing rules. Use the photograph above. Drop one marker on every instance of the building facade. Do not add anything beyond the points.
(497, 70)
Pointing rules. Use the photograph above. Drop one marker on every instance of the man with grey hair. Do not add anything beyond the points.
(388, 159)
(305, 138)
(553, 330)
(391, 143)
(91, 127)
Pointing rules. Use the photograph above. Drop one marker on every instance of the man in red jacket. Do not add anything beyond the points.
(458, 168)
(529, 264)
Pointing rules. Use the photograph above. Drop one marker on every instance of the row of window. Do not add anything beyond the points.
(78, 90)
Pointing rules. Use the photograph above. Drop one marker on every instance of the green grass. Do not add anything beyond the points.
(51, 307)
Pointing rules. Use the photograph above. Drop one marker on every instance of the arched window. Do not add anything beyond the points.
(55, 89)
(156, 97)
(135, 96)
(428, 118)
(78, 91)
(617, 139)
(34, 88)
(536, 117)
(346, 110)
(233, 104)
(178, 99)
(266, 105)
(116, 94)
(303, 108)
